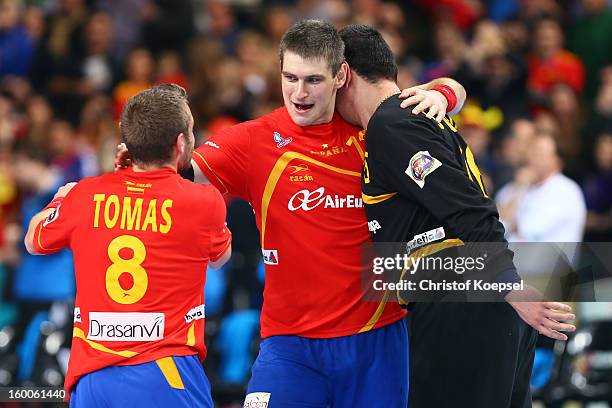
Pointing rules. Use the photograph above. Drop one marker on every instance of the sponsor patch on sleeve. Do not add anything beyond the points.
(421, 165)
(53, 216)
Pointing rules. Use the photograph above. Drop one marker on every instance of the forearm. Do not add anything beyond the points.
(29, 238)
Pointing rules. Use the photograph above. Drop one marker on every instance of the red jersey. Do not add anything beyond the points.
(140, 254)
(304, 184)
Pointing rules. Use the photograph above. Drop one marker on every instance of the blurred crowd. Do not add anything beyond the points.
(538, 74)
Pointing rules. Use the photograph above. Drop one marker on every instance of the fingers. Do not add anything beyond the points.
(440, 116)
(562, 327)
(561, 307)
(433, 111)
(413, 100)
(420, 107)
(408, 92)
(551, 333)
(558, 316)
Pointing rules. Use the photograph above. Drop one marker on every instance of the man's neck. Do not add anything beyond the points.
(142, 167)
(372, 95)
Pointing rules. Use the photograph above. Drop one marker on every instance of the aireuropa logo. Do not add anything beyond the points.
(112, 326)
(309, 200)
(196, 313)
(257, 400)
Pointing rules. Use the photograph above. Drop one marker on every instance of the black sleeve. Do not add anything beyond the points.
(419, 161)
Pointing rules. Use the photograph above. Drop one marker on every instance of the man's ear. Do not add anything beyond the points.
(342, 75)
(181, 144)
(349, 77)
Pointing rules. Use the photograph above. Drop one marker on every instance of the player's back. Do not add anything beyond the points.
(141, 243)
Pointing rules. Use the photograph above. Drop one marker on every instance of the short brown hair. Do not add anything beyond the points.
(314, 39)
(151, 121)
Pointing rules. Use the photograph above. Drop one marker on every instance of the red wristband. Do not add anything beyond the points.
(449, 94)
(54, 203)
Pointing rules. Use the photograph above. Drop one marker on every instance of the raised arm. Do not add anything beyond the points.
(435, 98)
(49, 213)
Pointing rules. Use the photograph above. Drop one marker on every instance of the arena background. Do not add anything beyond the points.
(68, 66)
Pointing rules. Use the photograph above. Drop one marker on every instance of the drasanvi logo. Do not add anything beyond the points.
(309, 200)
(257, 400)
(112, 326)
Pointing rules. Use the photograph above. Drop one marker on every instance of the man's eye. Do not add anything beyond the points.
(315, 80)
(291, 79)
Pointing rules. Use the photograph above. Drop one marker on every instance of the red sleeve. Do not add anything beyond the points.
(224, 159)
(53, 233)
(219, 235)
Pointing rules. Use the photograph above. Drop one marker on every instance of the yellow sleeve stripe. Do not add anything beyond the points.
(78, 333)
(379, 311)
(191, 335)
(40, 245)
(211, 170)
(376, 199)
(169, 370)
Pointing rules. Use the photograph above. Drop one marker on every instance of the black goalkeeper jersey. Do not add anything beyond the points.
(420, 185)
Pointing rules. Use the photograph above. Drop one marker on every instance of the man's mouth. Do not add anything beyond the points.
(300, 107)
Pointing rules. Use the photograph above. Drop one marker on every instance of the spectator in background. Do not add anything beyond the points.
(603, 102)
(221, 25)
(550, 63)
(126, 21)
(513, 151)
(590, 37)
(139, 71)
(450, 46)
(33, 21)
(38, 119)
(56, 68)
(16, 46)
(169, 70)
(168, 25)
(565, 107)
(476, 125)
(541, 204)
(98, 129)
(598, 192)
(494, 75)
(72, 158)
(98, 65)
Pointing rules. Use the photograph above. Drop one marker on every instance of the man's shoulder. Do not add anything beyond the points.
(390, 113)
(391, 122)
(196, 193)
(253, 127)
